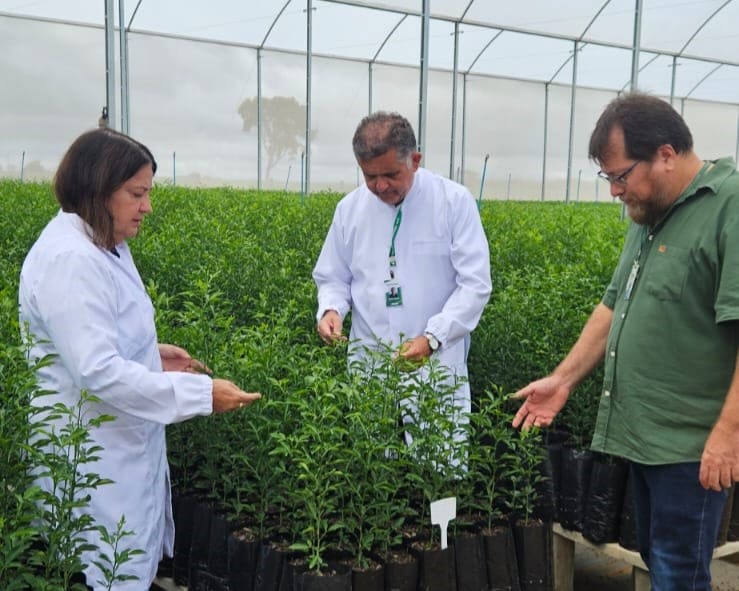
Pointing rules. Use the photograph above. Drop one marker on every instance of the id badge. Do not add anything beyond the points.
(631, 280)
(393, 295)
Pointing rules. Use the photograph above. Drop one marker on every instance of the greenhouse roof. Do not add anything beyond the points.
(532, 40)
(267, 93)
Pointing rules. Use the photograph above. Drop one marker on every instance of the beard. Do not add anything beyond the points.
(648, 212)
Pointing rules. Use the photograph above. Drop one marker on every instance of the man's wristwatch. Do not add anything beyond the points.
(434, 343)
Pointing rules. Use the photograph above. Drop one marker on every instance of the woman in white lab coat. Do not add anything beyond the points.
(83, 301)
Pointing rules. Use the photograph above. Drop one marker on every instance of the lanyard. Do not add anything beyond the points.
(396, 225)
(636, 265)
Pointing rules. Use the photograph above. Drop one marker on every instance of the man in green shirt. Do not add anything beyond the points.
(668, 330)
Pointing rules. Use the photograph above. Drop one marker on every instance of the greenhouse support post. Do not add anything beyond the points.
(464, 127)
(544, 142)
(452, 135)
(571, 140)
(123, 43)
(110, 60)
(308, 90)
(482, 180)
(424, 75)
(636, 48)
(455, 76)
(259, 93)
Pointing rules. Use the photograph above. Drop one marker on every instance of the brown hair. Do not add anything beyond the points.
(648, 122)
(96, 164)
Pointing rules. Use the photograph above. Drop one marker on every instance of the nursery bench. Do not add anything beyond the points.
(563, 558)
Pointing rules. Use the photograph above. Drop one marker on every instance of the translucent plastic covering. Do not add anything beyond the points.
(267, 93)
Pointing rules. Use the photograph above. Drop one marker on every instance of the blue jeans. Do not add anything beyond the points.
(677, 523)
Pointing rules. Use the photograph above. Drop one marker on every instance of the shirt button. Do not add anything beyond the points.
(607, 393)
(623, 314)
(613, 353)
(651, 236)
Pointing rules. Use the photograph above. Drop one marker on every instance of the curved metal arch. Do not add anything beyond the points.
(483, 50)
(274, 22)
(464, 101)
(133, 15)
(702, 80)
(374, 59)
(642, 68)
(685, 46)
(387, 38)
(701, 26)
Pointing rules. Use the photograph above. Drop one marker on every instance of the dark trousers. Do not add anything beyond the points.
(677, 523)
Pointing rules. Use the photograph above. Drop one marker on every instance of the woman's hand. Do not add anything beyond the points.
(228, 396)
(175, 358)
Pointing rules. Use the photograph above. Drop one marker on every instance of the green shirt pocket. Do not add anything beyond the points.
(667, 272)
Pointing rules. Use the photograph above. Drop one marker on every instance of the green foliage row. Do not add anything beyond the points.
(320, 458)
(41, 532)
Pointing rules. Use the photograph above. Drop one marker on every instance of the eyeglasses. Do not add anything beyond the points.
(618, 179)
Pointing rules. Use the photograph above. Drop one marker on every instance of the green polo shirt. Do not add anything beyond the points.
(672, 346)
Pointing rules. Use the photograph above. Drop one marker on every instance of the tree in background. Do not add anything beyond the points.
(283, 125)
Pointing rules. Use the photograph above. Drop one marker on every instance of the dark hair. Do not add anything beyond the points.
(648, 122)
(96, 164)
(381, 132)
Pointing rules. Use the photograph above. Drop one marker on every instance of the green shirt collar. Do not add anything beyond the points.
(711, 176)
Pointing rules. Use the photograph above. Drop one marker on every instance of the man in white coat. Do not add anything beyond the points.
(407, 254)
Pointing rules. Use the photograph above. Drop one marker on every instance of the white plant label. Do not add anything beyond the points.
(442, 512)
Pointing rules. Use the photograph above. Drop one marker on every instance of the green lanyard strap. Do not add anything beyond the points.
(396, 225)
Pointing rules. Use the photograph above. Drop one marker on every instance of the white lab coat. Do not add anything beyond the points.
(443, 268)
(89, 308)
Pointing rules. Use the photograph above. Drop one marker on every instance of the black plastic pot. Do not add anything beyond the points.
(550, 487)
(469, 556)
(371, 578)
(243, 553)
(534, 554)
(292, 569)
(627, 524)
(338, 577)
(601, 523)
(185, 511)
(401, 571)
(555, 441)
(732, 535)
(200, 545)
(500, 559)
(218, 545)
(436, 567)
(723, 530)
(573, 493)
(272, 556)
